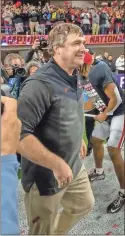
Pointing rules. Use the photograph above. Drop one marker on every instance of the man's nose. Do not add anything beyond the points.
(82, 48)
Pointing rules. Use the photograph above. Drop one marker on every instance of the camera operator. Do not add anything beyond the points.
(32, 67)
(37, 51)
(14, 69)
(10, 135)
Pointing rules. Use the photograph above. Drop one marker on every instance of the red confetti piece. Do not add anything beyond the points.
(115, 226)
(108, 233)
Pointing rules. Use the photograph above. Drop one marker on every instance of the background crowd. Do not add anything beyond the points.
(22, 18)
(14, 66)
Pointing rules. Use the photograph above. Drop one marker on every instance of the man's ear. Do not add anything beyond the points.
(56, 50)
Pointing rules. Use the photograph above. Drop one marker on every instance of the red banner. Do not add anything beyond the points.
(25, 40)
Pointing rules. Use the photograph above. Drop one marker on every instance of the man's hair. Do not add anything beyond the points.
(59, 33)
(8, 59)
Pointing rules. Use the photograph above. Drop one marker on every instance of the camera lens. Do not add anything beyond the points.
(21, 72)
(43, 43)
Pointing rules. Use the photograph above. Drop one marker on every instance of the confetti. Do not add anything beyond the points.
(115, 226)
(108, 233)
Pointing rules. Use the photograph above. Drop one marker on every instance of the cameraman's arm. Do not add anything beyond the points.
(30, 53)
(9, 183)
(10, 134)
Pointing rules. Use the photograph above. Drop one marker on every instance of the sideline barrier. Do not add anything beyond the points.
(121, 80)
(23, 40)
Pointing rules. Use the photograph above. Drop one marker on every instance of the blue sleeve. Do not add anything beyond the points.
(85, 96)
(9, 203)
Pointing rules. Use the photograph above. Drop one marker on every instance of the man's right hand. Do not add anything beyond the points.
(63, 174)
(36, 44)
(10, 126)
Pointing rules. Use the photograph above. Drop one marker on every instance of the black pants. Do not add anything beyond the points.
(89, 124)
(85, 29)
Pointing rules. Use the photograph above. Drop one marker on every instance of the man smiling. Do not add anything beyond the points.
(50, 108)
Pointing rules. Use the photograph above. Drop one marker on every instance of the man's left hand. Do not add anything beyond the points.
(83, 151)
(101, 117)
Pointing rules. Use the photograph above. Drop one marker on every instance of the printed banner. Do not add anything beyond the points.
(121, 80)
(21, 40)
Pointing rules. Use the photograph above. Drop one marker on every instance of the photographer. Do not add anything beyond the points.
(10, 135)
(37, 51)
(120, 64)
(32, 67)
(14, 69)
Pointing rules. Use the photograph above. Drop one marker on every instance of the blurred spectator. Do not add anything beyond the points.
(32, 67)
(103, 19)
(111, 63)
(117, 22)
(12, 60)
(99, 56)
(123, 24)
(7, 17)
(25, 15)
(18, 21)
(85, 22)
(105, 57)
(31, 52)
(95, 22)
(111, 22)
(37, 19)
(14, 68)
(120, 64)
(107, 23)
(33, 20)
(36, 53)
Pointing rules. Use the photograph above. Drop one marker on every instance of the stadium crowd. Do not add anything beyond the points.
(22, 18)
(39, 55)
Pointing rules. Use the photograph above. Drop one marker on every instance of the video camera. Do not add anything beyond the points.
(18, 72)
(43, 43)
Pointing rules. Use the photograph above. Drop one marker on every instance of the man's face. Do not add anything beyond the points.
(14, 63)
(106, 54)
(110, 58)
(73, 51)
